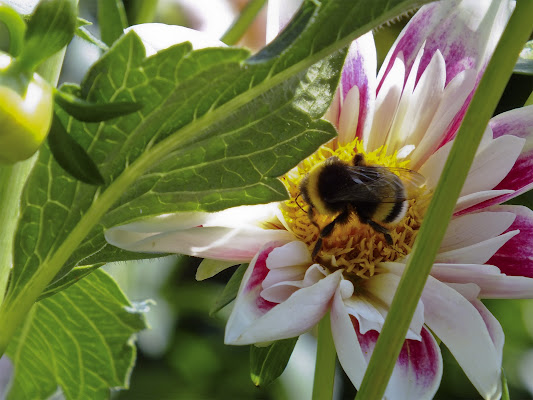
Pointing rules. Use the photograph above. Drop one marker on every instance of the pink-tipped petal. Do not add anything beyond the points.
(475, 201)
(463, 330)
(466, 33)
(469, 229)
(417, 373)
(255, 320)
(488, 278)
(516, 256)
(517, 123)
(156, 37)
(360, 70)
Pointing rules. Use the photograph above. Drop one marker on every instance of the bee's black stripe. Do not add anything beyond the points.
(394, 212)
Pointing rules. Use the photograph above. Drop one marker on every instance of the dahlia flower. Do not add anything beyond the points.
(405, 117)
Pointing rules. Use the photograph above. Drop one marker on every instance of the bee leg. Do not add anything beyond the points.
(342, 218)
(381, 229)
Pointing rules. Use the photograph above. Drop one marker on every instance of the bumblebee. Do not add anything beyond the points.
(375, 194)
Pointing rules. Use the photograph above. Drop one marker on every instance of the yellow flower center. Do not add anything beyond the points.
(353, 246)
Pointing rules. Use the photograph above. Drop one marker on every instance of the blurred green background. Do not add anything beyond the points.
(183, 355)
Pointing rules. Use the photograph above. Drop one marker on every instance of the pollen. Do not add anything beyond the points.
(355, 247)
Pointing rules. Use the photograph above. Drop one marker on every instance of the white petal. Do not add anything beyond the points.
(279, 13)
(349, 116)
(294, 253)
(370, 315)
(473, 228)
(277, 290)
(397, 134)
(387, 102)
(453, 98)
(157, 37)
(425, 100)
(209, 242)
(492, 164)
(460, 326)
(348, 349)
(477, 253)
(296, 315)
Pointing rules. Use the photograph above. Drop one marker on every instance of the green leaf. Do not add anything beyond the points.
(217, 130)
(268, 363)
(112, 20)
(91, 112)
(230, 290)
(79, 340)
(49, 29)
(71, 156)
(524, 65)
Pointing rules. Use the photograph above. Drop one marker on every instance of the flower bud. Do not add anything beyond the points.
(24, 119)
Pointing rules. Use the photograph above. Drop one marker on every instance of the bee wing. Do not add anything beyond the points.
(374, 185)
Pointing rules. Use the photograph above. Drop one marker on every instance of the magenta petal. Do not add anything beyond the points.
(360, 70)
(519, 123)
(516, 256)
(418, 371)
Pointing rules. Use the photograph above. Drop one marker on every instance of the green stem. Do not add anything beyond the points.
(12, 179)
(247, 16)
(325, 362)
(443, 203)
(141, 11)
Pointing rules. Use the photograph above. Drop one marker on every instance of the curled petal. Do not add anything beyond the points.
(255, 320)
(463, 330)
(156, 37)
(382, 288)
